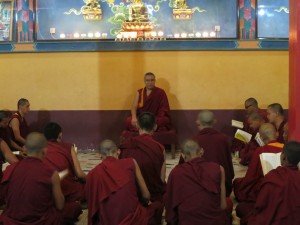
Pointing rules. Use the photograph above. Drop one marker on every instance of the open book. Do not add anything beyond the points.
(269, 161)
(237, 124)
(259, 140)
(243, 136)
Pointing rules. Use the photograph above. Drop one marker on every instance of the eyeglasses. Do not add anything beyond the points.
(247, 106)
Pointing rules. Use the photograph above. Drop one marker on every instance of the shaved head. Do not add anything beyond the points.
(107, 147)
(35, 143)
(4, 114)
(251, 101)
(191, 148)
(206, 118)
(267, 132)
(255, 116)
(292, 152)
(22, 102)
(276, 108)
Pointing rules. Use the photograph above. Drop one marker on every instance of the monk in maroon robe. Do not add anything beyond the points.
(276, 117)
(32, 189)
(5, 153)
(255, 120)
(216, 146)
(246, 189)
(196, 190)
(62, 156)
(111, 190)
(251, 106)
(18, 126)
(278, 200)
(150, 99)
(150, 156)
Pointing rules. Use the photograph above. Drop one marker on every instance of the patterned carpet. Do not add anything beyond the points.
(89, 159)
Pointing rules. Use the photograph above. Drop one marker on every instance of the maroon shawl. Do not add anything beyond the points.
(112, 194)
(149, 155)
(217, 149)
(193, 194)
(28, 194)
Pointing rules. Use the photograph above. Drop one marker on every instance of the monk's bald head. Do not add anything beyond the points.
(291, 150)
(267, 132)
(22, 102)
(35, 143)
(191, 148)
(206, 118)
(255, 120)
(108, 148)
(276, 108)
(251, 102)
(4, 118)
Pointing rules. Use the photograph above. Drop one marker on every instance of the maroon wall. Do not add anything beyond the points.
(88, 128)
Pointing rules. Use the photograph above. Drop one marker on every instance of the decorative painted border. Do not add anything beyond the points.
(168, 45)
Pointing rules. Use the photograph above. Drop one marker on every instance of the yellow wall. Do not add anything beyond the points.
(109, 80)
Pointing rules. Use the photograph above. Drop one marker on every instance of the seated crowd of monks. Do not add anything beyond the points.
(45, 183)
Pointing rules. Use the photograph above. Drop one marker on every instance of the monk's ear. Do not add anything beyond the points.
(155, 127)
(283, 159)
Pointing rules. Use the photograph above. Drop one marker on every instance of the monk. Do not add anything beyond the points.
(18, 126)
(32, 189)
(196, 190)
(150, 99)
(5, 153)
(111, 190)
(278, 199)
(251, 106)
(216, 146)
(150, 156)
(276, 117)
(255, 120)
(246, 189)
(61, 156)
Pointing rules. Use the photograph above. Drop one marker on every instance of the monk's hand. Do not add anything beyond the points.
(134, 122)
(62, 174)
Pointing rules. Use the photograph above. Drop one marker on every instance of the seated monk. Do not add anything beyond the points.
(276, 117)
(196, 190)
(150, 99)
(5, 153)
(32, 189)
(246, 189)
(112, 192)
(216, 146)
(150, 156)
(62, 156)
(18, 126)
(255, 120)
(251, 106)
(278, 200)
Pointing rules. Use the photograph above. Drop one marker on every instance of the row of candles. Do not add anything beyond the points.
(134, 35)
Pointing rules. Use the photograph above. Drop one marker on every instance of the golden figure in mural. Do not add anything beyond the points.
(138, 11)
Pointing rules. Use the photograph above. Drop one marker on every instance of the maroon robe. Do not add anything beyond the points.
(112, 195)
(278, 202)
(59, 157)
(28, 194)
(216, 147)
(24, 129)
(280, 132)
(156, 103)
(149, 155)
(246, 188)
(247, 152)
(2, 160)
(238, 145)
(193, 194)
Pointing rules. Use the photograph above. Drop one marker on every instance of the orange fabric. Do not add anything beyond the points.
(141, 103)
